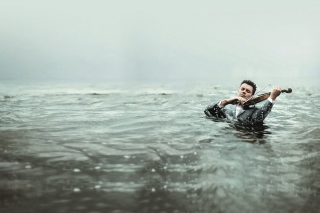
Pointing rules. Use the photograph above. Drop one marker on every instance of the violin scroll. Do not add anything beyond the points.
(289, 90)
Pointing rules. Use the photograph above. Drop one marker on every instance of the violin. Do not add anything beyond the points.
(257, 99)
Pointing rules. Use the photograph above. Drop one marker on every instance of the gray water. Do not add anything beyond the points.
(149, 148)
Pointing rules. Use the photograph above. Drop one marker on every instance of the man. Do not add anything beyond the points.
(247, 116)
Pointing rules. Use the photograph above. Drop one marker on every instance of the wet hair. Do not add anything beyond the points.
(254, 86)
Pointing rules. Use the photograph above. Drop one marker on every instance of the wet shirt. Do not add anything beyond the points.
(239, 110)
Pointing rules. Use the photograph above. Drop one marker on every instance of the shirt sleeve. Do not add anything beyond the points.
(219, 105)
(269, 99)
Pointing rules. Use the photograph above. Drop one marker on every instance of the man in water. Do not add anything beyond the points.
(245, 116)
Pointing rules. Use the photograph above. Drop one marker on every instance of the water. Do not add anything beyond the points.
(149, 148)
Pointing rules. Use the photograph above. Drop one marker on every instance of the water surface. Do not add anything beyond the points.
(149, 148)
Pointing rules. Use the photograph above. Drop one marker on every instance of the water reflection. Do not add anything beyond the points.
(251, 134)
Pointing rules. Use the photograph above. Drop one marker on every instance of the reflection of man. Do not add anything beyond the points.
(246, 116)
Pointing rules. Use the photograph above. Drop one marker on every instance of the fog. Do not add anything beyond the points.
(160, 41)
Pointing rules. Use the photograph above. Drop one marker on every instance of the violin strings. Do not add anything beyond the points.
(256, 94)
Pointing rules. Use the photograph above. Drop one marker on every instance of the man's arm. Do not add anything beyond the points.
(216, 109)
(232, 100)
(260, 114)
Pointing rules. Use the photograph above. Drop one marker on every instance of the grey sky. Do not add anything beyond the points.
(159, 40)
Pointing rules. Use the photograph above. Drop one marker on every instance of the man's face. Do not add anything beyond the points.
(245, 91)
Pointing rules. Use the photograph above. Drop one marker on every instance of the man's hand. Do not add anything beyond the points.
(275, 93)
(233, 100)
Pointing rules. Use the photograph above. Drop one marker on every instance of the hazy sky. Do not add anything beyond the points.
(159, 40)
